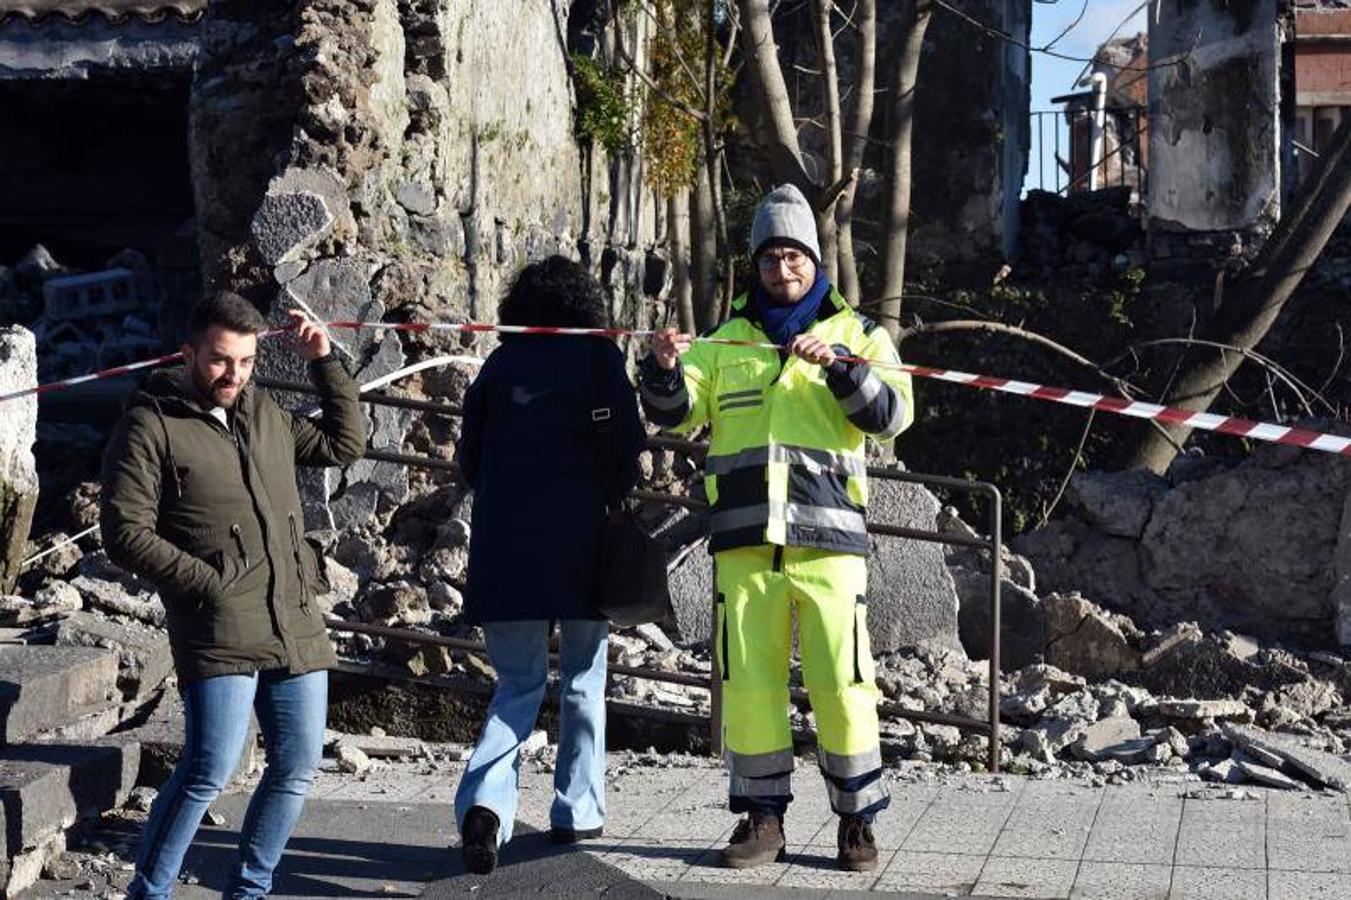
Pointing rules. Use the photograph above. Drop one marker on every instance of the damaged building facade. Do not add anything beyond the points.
(1225, 107)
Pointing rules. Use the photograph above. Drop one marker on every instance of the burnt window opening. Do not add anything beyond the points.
(90, 167)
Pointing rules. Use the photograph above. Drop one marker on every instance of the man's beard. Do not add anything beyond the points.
(213, 392)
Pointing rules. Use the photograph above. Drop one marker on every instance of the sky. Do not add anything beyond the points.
(1052, 77)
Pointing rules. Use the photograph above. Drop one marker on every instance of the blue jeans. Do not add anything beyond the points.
(292, 710)
(519, 652)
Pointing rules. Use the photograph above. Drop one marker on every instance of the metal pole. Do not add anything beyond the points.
(996, 547)
(1096, 130)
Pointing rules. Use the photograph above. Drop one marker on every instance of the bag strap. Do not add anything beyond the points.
(601, 429)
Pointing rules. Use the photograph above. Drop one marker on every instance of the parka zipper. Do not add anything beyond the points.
(238, 534)
(300, 566)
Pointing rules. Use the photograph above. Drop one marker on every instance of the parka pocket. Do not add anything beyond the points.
(314, 556)
(740, 389)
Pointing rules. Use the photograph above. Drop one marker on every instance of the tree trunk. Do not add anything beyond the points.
(712, 159)
(915, 21)
(855, 142)
(678, 240)
(1256, 301)
(762, 63)
(704, 251)
(825, 219)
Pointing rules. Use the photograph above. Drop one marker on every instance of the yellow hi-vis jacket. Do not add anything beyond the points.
(786, 463)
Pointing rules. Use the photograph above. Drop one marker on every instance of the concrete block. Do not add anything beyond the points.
(912, 598)
(143, 656)
(46, 788)
(691, 584)
(45, 687)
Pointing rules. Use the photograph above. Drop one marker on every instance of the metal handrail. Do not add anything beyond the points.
(994, 543)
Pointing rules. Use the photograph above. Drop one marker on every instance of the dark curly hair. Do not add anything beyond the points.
(557, 292)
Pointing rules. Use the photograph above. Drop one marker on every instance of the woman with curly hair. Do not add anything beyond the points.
(530, 449)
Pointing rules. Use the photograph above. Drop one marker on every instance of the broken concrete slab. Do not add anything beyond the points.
(1199, 709)
(351, 759)
(114, 597)
(1322, 767)
(1226, 771)
(1264, 757)
(143, 655)
(1268, 776)
(45, 687)
(18, 468)
(377, 746)
(1108, 739)
(1083, 638)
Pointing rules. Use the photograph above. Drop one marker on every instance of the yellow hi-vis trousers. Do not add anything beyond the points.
(756, 586)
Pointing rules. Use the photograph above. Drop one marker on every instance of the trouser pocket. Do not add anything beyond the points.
(862, 646)
(720, 632)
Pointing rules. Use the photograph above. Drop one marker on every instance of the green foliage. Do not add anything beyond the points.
(603, 107)
(672, 137)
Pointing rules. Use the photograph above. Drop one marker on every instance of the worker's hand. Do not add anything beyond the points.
(310, 341)
(812, 349)
(667, 345)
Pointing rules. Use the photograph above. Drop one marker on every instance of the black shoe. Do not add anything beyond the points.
(478, 840)
(560, 835)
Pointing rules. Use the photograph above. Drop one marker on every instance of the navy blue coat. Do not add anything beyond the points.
(527, 450)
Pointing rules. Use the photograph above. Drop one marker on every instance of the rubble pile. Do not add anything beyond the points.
(83, 320)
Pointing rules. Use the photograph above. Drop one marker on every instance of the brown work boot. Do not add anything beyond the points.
(858, 850)
(758, 839)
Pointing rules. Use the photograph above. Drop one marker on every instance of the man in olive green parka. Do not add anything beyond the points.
(200, 499)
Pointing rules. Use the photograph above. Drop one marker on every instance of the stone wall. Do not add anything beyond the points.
(376, 159)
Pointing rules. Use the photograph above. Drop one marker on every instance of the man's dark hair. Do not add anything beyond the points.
(227, 310)
(556, 292)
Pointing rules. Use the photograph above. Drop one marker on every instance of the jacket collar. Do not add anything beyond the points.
(744, 307)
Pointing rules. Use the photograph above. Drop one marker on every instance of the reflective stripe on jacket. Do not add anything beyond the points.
(786, 462)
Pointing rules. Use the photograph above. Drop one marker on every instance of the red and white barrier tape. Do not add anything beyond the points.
(1262, 431)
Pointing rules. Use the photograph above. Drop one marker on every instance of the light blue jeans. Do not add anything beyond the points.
(519, 652)
(292, 710)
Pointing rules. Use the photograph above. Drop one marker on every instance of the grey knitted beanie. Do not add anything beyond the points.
(785, 217)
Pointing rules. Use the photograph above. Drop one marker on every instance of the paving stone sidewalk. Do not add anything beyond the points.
(995, 837)
(1005, 836)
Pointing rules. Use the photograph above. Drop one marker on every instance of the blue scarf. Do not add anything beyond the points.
(785, 321)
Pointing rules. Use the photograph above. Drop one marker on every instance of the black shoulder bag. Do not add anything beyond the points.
(631, 583)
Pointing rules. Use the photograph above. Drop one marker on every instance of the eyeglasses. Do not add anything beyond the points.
(793, 259)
